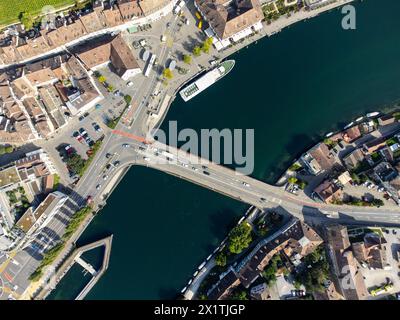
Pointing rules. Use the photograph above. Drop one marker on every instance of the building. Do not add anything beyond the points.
(347, 269)
(372, 251)
(35, 220)
(329, 192)
(318, 159)
(260, 292)
(315, 4)
(129, 9)
(351, 134)
(122, 59)
(29, 173)
(227, 282)
(115, 52)
(345, 178)
(374, 145)
(105, 15)
(296, 240)
(230, 20)
(386, 120)
(353, 159)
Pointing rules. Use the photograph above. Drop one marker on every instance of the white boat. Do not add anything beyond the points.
(190, 282)
(349, 125)
(207, 80)
(209, 257)
(359, 119)
(372, 114)
(195, 274)
(183, 290)
(328, 134)
(201, 266)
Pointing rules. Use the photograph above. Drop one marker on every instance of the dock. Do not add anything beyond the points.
(75, 257)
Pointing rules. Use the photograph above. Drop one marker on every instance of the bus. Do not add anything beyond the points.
(150, 65)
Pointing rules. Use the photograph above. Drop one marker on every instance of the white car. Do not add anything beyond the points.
(105, 177)
(98, 187)
(146, 159)
(129, 84)
(125, 145)
(245, 184)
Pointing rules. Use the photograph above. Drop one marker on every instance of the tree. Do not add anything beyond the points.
(271, 269)
(187, 59)
(27, 20)
(220, 259)
(75, 163)
(239, 295)
(313, 277)
(207, 45)
(292, 180)
(196, 51)
(167, 73)
(239, 238)
(127, 99)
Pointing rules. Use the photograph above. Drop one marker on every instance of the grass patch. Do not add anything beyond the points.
(10, 10)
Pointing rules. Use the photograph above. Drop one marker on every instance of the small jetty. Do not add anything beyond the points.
(76, 257)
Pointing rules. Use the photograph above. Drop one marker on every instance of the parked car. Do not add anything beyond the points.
(96, 127)
(129, 84)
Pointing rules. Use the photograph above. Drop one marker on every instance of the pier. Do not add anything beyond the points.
(75, 257)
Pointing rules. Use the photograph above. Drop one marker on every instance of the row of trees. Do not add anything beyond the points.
(239, 239)
(204, 47)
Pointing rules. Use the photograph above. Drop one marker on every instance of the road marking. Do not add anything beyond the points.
(130, 136)
(8, 276)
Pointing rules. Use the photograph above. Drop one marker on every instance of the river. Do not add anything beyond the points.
(292, 88)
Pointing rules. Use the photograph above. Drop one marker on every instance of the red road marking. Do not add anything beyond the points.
(8, 276)
(130, 136)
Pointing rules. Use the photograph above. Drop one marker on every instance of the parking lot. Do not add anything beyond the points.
(390, 274)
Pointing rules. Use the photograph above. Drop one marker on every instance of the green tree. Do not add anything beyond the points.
(187, 59)
(239, 295)
(27, 20)
(239, 238)
(196, 51)
(167, 73)
(271, 269)
(292, 180)
(127, 99)
(205, 47)
(220, 259)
